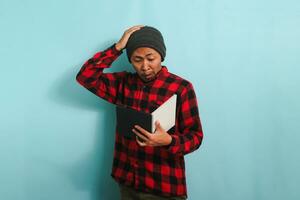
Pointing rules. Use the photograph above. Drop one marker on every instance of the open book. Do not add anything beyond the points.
(128, 117)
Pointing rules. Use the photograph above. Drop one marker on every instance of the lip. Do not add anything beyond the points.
(149, 76)
(146, 74)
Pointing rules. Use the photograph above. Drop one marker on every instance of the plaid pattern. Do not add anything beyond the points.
(157, 170)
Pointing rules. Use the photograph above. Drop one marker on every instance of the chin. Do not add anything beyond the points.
(148, 80)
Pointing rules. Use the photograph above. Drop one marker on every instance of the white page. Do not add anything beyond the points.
(165, 114)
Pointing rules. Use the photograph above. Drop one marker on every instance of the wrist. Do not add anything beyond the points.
(118, 47)
(169, 141)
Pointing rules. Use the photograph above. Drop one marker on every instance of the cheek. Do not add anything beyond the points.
(136, 67)
(156, 66)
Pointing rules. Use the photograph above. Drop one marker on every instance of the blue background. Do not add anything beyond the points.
(242, 56)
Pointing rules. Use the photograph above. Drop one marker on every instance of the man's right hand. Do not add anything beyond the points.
(121, 44)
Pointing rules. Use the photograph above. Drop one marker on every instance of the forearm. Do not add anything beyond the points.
(92, 77)
(185, 143)
(93, 68)
(188, 133)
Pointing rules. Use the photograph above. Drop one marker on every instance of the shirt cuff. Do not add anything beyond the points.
(115, 51)
(173, 142)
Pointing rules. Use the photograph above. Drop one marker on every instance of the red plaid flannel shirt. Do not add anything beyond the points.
(158, 170)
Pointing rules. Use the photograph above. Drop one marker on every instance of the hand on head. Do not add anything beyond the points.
(121, 44)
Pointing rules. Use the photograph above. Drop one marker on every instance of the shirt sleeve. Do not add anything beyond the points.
(91, 76)
(189, 134)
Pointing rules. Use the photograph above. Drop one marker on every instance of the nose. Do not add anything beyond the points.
(145, 66)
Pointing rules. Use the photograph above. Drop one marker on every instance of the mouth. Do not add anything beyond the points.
(147, 77)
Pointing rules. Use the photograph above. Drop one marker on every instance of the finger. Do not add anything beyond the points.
(133, 29)
(143, 144)
(138, 26)
(157, 124)
(140, 135)
(143, 131)
(158, 127)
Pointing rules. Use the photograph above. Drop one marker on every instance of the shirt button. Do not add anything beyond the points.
(145, 88)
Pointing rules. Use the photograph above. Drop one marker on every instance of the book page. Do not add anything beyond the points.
(165, 114)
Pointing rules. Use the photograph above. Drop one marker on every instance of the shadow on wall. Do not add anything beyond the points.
(92, 173)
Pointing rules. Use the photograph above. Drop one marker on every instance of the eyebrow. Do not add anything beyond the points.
(137, 56)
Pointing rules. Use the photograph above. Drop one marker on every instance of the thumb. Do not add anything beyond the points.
(158, 126)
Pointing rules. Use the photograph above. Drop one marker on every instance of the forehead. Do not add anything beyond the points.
(144, 51)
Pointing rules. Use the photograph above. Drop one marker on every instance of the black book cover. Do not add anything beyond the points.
(128, 117)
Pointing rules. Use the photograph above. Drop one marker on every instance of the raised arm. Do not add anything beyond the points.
(92, 77)
(91, 74)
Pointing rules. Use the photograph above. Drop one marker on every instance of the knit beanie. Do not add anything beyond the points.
(147, 36)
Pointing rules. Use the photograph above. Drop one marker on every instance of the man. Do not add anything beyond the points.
(151, 168)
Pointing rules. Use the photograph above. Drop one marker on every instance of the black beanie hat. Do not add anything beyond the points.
(147, 36)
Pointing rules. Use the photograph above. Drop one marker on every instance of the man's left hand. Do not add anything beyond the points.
(159, 138)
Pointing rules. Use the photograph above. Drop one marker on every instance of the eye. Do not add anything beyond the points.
(137, 60)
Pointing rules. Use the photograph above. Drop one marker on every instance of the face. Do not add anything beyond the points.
(146, 62)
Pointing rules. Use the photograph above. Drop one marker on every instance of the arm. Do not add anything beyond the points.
(91, 74)
(189, 136)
